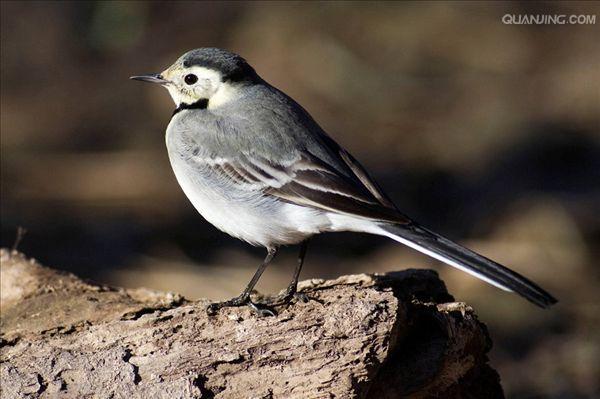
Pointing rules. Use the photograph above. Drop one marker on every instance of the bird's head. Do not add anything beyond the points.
(208, 76)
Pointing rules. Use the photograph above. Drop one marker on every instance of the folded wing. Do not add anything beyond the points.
(308, 181)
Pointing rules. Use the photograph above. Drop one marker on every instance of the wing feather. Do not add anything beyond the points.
(307, 181)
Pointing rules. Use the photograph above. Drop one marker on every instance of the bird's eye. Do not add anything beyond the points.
(190, 79)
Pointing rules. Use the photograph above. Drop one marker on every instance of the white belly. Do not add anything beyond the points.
(252, 217)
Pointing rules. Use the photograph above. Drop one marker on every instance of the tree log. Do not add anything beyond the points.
(398, 335)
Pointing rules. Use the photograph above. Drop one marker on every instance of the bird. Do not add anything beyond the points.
(255, 164)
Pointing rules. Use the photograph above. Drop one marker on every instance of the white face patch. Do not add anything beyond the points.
(201, 83)
(225, 93)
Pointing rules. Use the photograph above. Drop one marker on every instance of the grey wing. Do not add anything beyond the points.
(306, 180)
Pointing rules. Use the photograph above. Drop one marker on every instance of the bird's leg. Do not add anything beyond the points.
(244, 297)
(291, 291)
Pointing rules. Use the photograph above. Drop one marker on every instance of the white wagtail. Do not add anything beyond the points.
(256, 165)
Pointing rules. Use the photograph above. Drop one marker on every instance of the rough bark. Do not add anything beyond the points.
(361, 336)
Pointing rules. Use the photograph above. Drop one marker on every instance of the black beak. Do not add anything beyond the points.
(151, 78)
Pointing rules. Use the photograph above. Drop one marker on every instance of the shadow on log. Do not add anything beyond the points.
(398, 335)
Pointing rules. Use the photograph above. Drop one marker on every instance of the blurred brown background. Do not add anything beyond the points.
(488, 133)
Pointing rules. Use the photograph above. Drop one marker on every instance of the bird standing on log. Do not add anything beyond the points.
(257, 166)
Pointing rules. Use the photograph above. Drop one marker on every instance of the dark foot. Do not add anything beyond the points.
(300, 297)
(261, 310)
(242, 300)
(214, 307)
(289, 296)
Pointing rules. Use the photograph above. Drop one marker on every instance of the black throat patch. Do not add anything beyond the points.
(200, 104)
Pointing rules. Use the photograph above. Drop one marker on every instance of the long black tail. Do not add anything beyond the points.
(441, 248)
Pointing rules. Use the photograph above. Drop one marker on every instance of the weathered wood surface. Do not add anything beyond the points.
(362, 336)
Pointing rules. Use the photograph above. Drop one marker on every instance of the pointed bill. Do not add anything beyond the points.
(150, 78)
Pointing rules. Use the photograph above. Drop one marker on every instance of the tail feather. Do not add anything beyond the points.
(441, 248)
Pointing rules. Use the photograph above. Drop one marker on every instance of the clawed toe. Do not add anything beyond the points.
(287, 298)
(261, 310)
(214, 307)
(301, 297)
